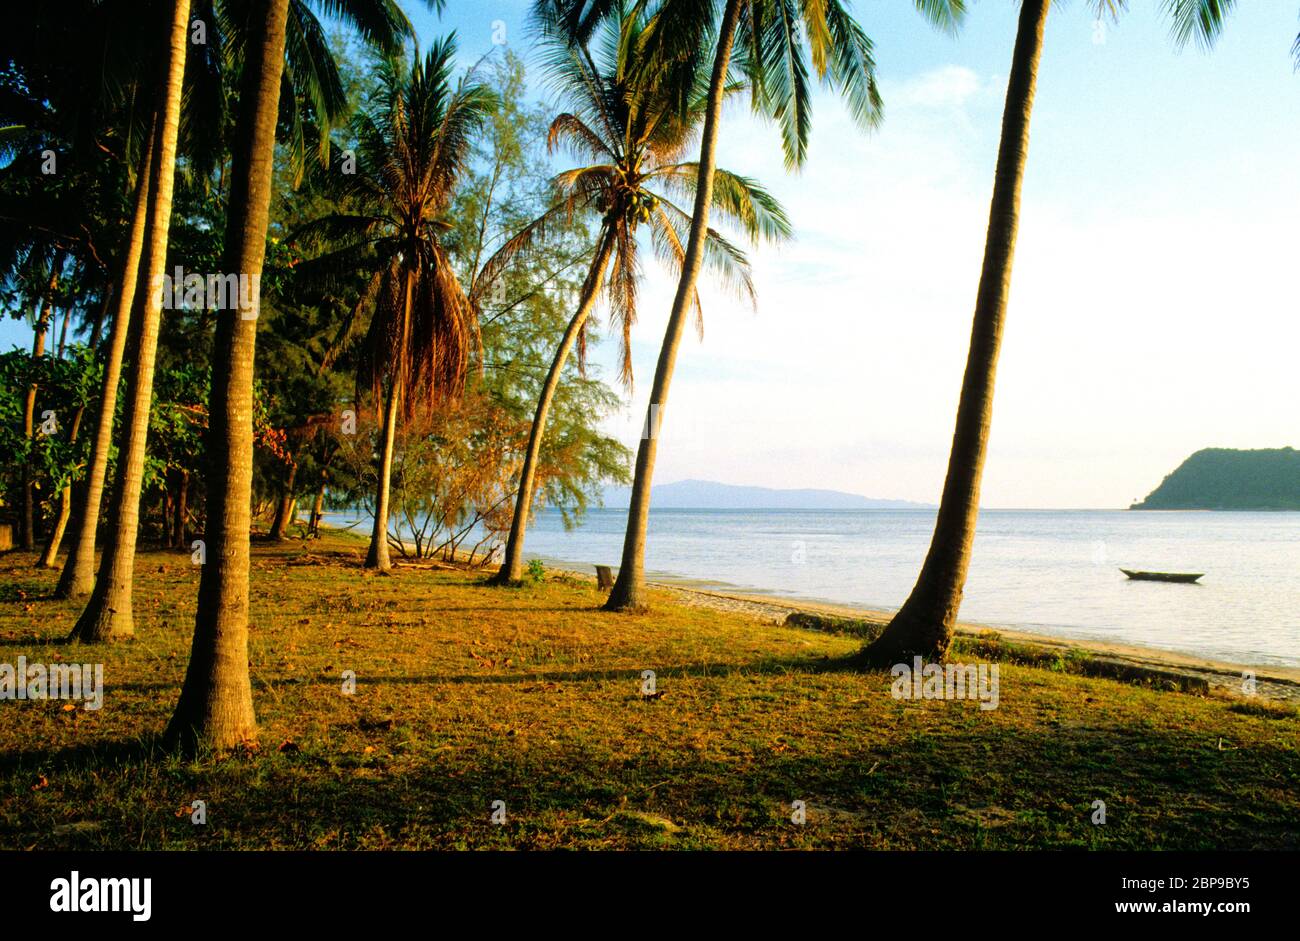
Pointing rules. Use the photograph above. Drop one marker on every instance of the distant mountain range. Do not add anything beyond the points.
(1224, 479)
(711, 495)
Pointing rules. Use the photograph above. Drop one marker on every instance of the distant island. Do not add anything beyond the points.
(711, 495)
(1225, 479)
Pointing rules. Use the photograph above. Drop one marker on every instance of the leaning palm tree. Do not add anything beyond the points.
(413, 144)
(629, 126)
(107, 615)
(923, 626)
(771, 42)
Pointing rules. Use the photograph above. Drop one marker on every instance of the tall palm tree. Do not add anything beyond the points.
(630, 127)
(923, 626)
(78, 576)
(108, 615)
(413, 144)
(216, 701)
(772, 42)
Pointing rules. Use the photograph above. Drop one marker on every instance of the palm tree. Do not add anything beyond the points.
(413, 143)
(216, 701)
(923, 626)
(635, 135)
(78, 576)
(772, 41)
(108, 614)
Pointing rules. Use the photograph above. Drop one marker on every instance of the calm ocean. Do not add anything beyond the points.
(1048, 571)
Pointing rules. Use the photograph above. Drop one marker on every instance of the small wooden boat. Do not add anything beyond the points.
(1184, 577)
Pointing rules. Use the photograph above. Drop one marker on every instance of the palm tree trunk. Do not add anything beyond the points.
(284, 509)
(924, 625)
(377, 557)
(181, 509)
(66, 499)
(78, 576)
(313, 525)
(216, 701)
(28, 522)
(512, 569)
(65, 503)
(108, 613)
(628, 593)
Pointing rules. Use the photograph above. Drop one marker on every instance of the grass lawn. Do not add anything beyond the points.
(467, 694)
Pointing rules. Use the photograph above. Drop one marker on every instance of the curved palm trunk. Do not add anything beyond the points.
(216, 701)
(65, 504)
(628, 593)
(317, 507)
(27, 536)
(55, 540)
(284, 509)
(78, 576)
(108, 614)
(512, 569)
(377, 556)
(181, 510)
(924, 625)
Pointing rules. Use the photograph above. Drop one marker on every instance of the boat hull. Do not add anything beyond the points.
(1185, 578)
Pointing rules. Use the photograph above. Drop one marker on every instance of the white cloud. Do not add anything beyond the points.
(949, 86)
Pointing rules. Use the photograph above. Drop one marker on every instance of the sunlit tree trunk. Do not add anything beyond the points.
(55, 539)
(65, 504)
(377, 556)
(924, 625)
(284, 509)
(108, 613)
(629, 589)
(216, 701)
(27, 524)
(78, 576)
(512, 568)
(313, 525)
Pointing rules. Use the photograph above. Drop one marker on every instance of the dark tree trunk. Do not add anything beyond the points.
(27, 524)
(181, 510)
(284, 509)
(924, 625)
(313, 527)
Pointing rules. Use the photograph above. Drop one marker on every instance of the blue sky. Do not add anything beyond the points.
(1153, 310)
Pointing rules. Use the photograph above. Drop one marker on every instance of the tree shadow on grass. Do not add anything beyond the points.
(763, 666)
(981, 786)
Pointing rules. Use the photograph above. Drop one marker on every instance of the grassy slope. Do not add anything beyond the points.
(468, 694)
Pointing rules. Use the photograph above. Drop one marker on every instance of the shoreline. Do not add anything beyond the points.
(1278, 683)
